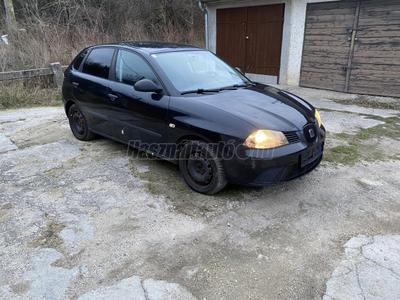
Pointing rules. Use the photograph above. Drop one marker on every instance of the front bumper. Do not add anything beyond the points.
(282, 174)
(275, 166)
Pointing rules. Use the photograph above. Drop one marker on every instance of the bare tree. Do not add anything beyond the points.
(10, 17)
(58, 29)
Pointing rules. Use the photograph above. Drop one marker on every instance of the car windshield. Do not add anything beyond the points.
(199, 70)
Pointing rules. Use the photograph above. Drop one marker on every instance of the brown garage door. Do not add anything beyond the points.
(251, 37)
(353, 46)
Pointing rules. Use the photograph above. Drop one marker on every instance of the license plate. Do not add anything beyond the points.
(310, 155)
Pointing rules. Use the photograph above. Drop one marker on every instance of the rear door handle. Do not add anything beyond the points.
(112, 97)
(75, 84)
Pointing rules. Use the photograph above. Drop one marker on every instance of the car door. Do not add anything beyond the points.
(90, 88)
(138, 118)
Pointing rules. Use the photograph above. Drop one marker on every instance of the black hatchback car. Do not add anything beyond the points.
(187, 105)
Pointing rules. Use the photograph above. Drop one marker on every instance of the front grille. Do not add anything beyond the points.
(292, 137)
(270, 176)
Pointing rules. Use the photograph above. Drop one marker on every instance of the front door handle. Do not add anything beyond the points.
(75, 84)
(112, 97)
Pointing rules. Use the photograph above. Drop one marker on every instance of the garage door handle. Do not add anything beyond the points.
(112, 97)
(244, 66)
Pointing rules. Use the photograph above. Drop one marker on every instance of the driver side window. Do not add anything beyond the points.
(131, 68)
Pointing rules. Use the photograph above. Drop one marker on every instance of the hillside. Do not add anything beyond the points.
(57, 29)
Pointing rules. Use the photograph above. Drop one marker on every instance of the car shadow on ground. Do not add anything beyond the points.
(162, 178)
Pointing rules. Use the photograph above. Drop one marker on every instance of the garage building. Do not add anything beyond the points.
(349, 46)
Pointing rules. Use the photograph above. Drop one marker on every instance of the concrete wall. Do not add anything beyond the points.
(293, 32)
(55, 69)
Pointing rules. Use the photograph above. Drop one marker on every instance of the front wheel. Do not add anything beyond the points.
(78, 124)
(201, 168)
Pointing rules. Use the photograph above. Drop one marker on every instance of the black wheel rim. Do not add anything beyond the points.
(199, 168)
(78, 123)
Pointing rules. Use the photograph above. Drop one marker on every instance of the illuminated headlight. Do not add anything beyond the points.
(318, 117)
(266, 139)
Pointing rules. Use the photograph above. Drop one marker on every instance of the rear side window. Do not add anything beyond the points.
(98, 62)
(79, 59)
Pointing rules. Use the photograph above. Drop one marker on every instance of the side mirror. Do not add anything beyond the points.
(146, 85)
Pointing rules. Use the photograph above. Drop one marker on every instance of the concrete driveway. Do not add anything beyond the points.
(96, 220)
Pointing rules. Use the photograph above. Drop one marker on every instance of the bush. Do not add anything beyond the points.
(57, 30)
(35, 92)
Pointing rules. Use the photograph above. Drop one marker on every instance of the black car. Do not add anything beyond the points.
(187, 105)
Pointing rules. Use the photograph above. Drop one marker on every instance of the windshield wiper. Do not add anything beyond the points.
(201, 91)
(232, 87)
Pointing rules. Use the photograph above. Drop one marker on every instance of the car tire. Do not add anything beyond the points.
(201, 168)
(78, 124)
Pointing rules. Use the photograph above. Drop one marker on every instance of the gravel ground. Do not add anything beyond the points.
(92, 221)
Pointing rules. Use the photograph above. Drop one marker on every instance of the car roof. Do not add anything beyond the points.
(154, 47)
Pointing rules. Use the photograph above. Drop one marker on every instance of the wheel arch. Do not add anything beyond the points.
(183, 140)
(192, 137)
(68, 105)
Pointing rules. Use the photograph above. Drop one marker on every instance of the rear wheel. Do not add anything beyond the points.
(78, 124)
(201, 168)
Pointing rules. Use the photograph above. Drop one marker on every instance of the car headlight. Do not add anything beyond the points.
(318, 117)
(266, 139)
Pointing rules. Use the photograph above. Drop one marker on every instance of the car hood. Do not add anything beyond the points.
(264, 107)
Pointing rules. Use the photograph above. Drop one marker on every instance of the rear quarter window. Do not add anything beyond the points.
(98, 62)
(78, 60)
